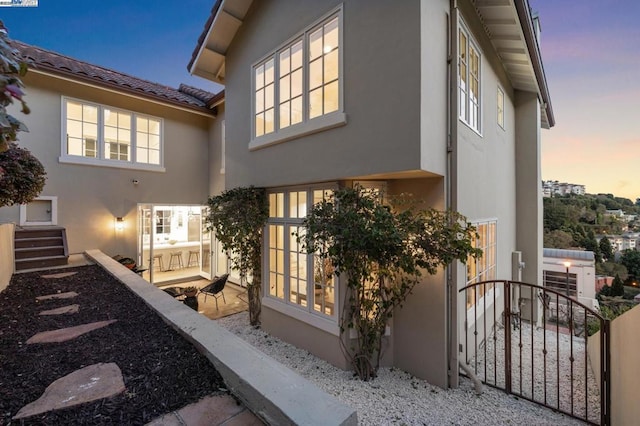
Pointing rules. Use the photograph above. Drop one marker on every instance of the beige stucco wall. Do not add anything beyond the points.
(625, 369)
(382, 134)
(6, 254)
(90, 197)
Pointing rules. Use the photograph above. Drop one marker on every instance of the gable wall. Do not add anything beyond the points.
(381, 94)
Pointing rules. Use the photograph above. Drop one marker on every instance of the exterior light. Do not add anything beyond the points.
(567, 264)
(119, 223)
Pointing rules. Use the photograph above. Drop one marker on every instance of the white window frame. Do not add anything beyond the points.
(465, 101)
(101, 159)
(485, 300)
(307, 126)
(306, 314)
(500, 107)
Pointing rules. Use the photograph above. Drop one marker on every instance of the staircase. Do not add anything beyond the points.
(40, 247)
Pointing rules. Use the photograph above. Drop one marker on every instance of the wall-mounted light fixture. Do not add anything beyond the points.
(119, 223)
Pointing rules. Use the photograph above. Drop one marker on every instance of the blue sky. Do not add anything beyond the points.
(591, 54)
(590, 48)
(148, 39)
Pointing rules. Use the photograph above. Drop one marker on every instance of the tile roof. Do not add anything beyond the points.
(203, 35)
(55, 63)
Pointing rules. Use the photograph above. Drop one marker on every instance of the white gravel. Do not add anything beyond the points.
(397, 398)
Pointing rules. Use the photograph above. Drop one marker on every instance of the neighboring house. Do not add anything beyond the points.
(553, 187)
(571, 272)
(444, 100)
(620, 243)
(116, 146)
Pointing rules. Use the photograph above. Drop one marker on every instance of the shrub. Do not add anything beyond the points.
(22, 176)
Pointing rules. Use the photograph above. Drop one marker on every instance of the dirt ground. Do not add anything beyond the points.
(162, 372)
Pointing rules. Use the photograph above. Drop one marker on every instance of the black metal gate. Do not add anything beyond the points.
(540, 345)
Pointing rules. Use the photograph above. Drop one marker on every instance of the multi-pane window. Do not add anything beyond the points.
(117, 134)
(482, 268)
(469, 80)
(500, 109)
(82, 129)
(163, 222)
(148, 140)
(295, 277)
(104, 133)
(300, 81)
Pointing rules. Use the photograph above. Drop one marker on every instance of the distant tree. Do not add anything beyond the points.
(631, 260)
(617, 287)
(605, 248)
(611, 269)
(558, 239)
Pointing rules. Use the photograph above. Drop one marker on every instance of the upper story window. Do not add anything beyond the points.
(102, 135)
(469, 79)
(297, 88)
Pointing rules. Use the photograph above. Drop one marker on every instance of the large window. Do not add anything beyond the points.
(102, 135)
(298, 83)
(294, 277)
(484, 267)
(469, 80)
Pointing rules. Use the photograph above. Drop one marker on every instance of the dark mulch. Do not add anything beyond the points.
(162, 371)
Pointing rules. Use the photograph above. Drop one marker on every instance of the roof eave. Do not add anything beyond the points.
(526, 23)
(209, 56)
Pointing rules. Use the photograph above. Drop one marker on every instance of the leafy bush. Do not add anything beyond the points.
(22, 176)
(382, 250)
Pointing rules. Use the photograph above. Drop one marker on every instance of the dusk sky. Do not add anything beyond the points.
(590, 49)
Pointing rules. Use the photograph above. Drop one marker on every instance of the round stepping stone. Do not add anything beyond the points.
(60, 275)
(71, 309)
(64, 334)
(67, 295)
(90, 383)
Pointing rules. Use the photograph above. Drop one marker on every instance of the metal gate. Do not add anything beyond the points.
(534, 342)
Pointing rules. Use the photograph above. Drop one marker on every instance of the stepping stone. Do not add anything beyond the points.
(64, 334)
(87, 384)
(67, 295)
(210, 410)
(71, 309)
(60, 275)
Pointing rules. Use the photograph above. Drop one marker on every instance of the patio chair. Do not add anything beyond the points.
(215, 289)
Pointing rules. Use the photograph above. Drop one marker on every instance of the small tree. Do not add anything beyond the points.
(22, 176)
(238, 217)
(382, 251)
(606, 249)
(617, 287)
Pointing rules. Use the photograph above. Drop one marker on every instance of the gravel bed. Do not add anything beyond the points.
(397, 398)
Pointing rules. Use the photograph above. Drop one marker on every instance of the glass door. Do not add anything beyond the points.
(145, 240)
(206, 248)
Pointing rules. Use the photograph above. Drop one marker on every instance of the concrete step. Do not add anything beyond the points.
(36, 252)
(40, 262)
(20, 243)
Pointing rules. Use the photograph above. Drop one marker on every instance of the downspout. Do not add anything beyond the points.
(451, 182)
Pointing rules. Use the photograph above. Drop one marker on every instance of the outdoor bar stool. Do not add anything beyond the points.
(159, 263)
(175, 261)
(194, 258)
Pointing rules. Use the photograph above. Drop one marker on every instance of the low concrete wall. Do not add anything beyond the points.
(270, 390)
(6, 254)
(625, 368)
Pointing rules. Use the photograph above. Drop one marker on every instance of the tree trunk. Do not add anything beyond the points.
(255, 304)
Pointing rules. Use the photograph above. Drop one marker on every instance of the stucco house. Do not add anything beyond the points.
(572, 272)
(129, 163)
(442, 99)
